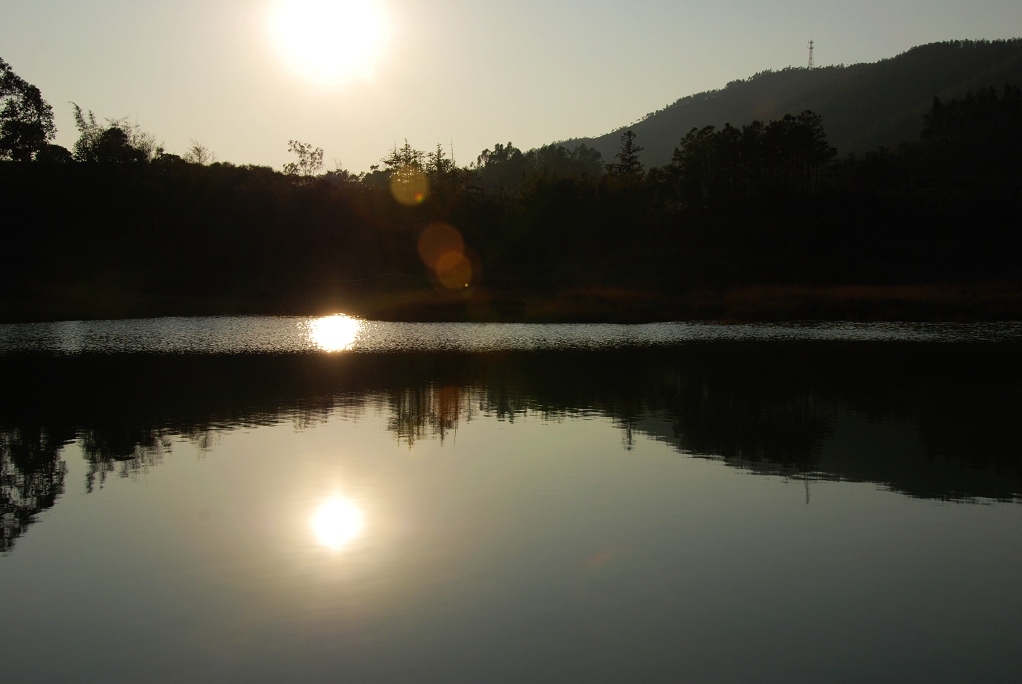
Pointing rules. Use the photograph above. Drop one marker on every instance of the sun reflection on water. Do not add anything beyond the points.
(335, 333)
(336, 522)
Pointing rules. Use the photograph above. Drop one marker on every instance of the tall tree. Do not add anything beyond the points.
(440, 168)
(500, 171)
(405, 174)
(310, 160)
(405, 158)
(199, 154)
(628, 163)
(26, 120)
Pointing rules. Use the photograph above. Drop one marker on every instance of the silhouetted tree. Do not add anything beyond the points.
(405, 157)
(444, 175)
(798, 150)
(117, 142)
(501, 171)
(980, 133)
(692, 165)
(557, 161)
(982, 112)
(199, 154)
(713, 166)
(26, 120)
(505, 171)
(310, 160)
(404, 169)
(628, 163)
(54, 154)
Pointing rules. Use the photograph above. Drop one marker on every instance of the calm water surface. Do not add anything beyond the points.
(322, 500)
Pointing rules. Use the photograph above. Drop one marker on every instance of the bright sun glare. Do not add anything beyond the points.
(335, 333)
(329, 40)
(336, 522)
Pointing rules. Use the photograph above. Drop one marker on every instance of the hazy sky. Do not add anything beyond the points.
(475, 71)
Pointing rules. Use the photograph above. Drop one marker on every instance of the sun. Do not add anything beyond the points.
(329, 40)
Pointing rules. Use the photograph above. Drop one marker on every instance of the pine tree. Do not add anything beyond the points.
(628, 163)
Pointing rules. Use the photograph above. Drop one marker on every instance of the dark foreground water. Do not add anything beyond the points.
(225, 500)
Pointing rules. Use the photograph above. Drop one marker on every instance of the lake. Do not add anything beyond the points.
(323, 500)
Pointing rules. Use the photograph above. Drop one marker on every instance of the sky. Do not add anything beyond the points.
(464, 73)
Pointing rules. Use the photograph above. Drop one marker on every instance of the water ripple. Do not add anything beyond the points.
(290, 335)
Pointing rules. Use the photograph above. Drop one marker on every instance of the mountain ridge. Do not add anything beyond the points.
(864, 106)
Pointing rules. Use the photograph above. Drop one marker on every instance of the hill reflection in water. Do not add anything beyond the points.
(926, 420)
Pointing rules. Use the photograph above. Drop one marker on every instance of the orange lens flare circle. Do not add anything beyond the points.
(442, 249)
(409, 186)
(454, 270)
(439, 239)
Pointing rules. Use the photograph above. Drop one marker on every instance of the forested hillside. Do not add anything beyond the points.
(866, 106)
(759, 221)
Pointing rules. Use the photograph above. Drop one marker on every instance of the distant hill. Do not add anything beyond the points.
(864, 106)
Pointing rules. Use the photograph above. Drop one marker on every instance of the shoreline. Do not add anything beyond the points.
(962, 303)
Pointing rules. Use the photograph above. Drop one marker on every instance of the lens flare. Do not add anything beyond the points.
(336, 522)
(329, 40)
(409, 186)
(335, 333)
(442, 249)
(453, 270)
(439, 239)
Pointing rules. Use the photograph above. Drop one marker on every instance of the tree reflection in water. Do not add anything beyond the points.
(771, 408)
(31, 477)
(427, 411)
(126, 452)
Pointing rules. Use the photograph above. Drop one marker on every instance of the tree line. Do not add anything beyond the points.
(118, 225)
(783, 155)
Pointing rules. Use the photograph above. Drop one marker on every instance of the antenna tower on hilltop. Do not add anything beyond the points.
(810, 54)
